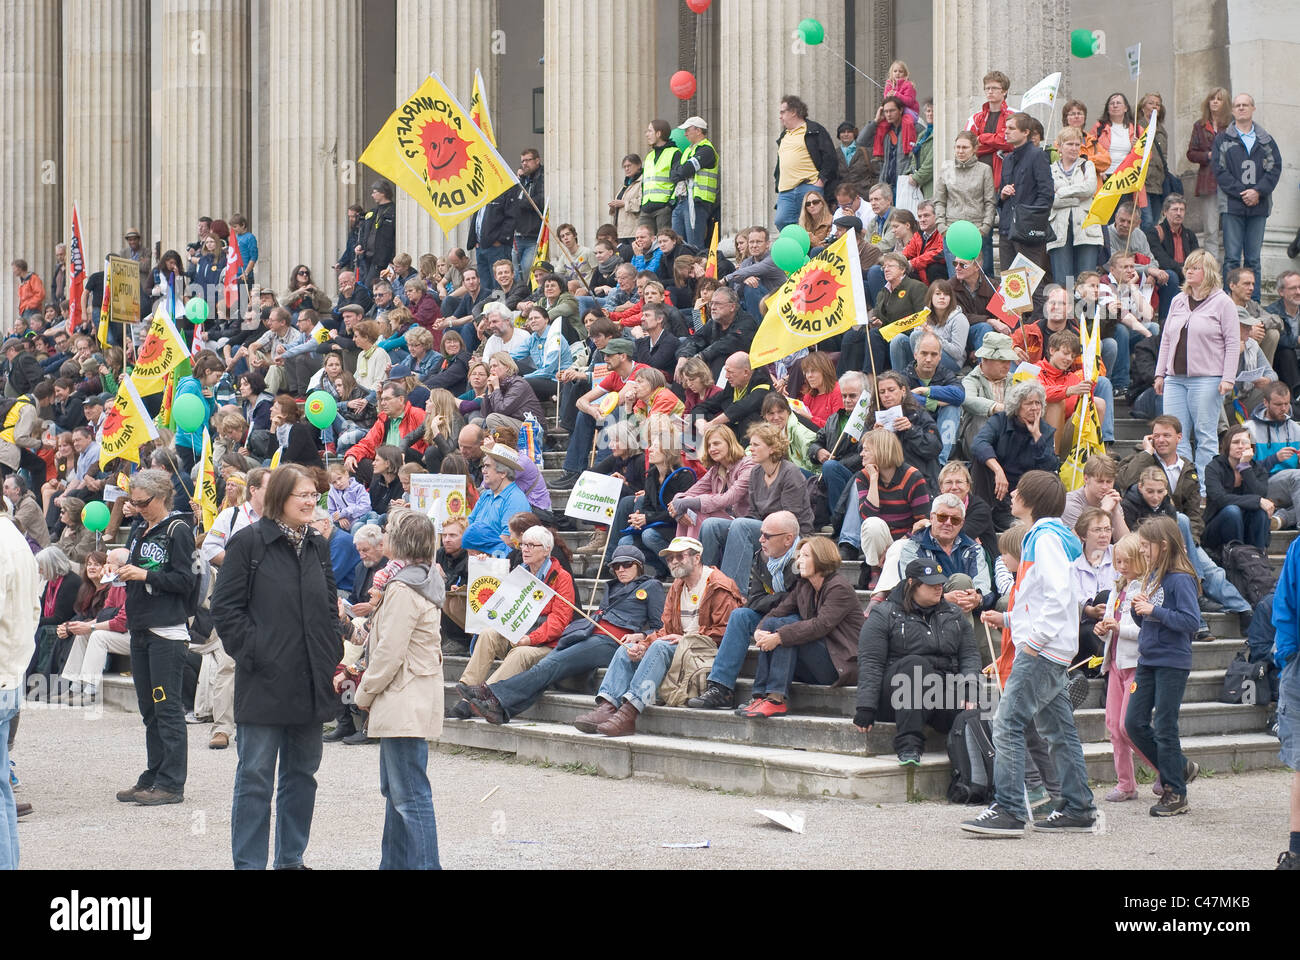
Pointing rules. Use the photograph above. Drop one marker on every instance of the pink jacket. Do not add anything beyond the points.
(718, 498)
(1214, 337)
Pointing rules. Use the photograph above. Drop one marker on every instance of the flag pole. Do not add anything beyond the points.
(577, 271)
(591, 621)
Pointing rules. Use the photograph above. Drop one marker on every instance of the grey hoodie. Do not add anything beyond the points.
(424, 580)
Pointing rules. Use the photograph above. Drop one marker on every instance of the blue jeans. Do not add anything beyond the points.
(1036, 694)
(587, 650)
(1214, 582)
(298, 748)
(650, 541)
(789, 205)
(1070, 260)
(806, 663)
(1243, 238)
(732, 543)
(578, 455)
(1106, 392)
(947, 418)
(1146, 405)
(348, 439)
(1117, 353)
(637, 683)
(10, 701)
(484, 257)
(735, 643)
(837, 477)
(976, 335)
(1234, 523)
(1158, 690)
(410, 840)
(1196, 402)
(697, 236)
(713, 535)
(157, 670)
(524, 251)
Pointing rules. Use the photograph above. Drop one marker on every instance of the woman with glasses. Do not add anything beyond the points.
(816, 219)
(1010, 444)
(161, 590)
(302, 294)
(276, 609)
(535, 545)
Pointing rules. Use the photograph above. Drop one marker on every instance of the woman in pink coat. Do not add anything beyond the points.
(723, 491)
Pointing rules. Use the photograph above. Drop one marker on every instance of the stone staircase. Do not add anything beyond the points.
(815, 750)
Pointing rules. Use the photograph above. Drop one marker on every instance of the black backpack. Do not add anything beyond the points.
(1249, 570)
(970, 751)
(1245, 682)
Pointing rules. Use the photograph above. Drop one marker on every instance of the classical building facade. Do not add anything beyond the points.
(150, 113)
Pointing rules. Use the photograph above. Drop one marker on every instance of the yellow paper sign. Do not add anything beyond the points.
(890, 331)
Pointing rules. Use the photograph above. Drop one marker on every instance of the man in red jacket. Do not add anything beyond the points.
(924, 251)
(397, 418)
(990, 123)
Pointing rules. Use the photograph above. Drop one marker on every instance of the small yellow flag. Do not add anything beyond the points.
(162, 353)
(890, 331)
(478, 108)
(1129, 177)
(433, 150)
(127, 427)
(208, 484)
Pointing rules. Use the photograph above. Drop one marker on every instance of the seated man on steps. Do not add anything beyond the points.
(634, 606)
(536, 545)
(695, 615)
(618, 354)
(773, 574)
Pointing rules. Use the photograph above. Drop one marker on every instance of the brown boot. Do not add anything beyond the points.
(588, 722)
(595, 544)
(622, 724)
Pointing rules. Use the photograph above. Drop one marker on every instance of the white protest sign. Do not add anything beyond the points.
(594, 498)
(485, 575)
(856, 425)
(444, 497)
(517, 603)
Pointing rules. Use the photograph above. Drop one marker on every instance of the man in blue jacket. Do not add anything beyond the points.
(938, 390)
(1286, 622)
(1026, 183)
(500, 500)
(1247, 164)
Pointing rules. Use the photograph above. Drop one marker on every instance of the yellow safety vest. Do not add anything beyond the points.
(11, 419)
(656, 184)
(705, 187)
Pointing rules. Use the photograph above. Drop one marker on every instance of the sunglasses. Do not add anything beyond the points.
(623, 565)
(141, 504)
(764, 535)
(947, 518)
(815, 203)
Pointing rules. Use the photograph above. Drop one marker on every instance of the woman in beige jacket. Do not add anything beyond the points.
(964, 191)
(402, 691)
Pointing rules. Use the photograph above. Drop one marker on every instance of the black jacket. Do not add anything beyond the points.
(741, 411)
(762, 598)
(1162, 245)
(276, 613)
(659, 494)
(662, 356)
(25, 372)
(941, 635)
(455, 570)
(1136, 510)
(1220, 493)
(1028, 169)
(451, 375)
(379, 239)
(1005, 438)
(825, 156)
(632, 469)
(498, 227)
(713, 344)
(167, 552)
(528, 222)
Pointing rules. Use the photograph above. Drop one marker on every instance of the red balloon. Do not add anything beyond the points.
(699, 6)
(683, 84)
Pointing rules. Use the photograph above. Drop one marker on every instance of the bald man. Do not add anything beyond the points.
(740, 403)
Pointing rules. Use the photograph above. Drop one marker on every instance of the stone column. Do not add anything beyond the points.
(1263, 44)
(972, 39)
(774, 62)
(313, 96)
(600, 95)
(201, 117)
(875, 49)
(106, 135)
(425, 45)
(31, 163)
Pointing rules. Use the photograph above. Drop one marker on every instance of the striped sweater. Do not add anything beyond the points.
(903, 501)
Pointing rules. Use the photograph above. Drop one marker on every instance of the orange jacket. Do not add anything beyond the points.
(31, 293)
(1055, 382)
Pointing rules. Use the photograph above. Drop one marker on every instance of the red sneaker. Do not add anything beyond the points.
(765, 709)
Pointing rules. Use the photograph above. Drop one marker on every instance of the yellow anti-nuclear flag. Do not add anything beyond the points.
(1129, 177)
(208, 484)
(433, 150)
(822, 298)
(890, 331)
(478, 108)
(127, 426)
(163, 352)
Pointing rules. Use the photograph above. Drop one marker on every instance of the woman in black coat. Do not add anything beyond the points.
(1009, 445)
(276, 611)
(1236, 494)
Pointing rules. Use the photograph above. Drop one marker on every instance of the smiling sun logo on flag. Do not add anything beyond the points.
(446, 153)
(817, 291)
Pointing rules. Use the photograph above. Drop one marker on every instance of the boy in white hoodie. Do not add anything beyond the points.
(20, 585)
(1045, 631)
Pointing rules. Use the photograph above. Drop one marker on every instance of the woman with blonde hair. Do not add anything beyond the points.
(1216, 114)
(722, 492)
(890, 497)
(1197, 366)
(1076, 248)
(816, 218)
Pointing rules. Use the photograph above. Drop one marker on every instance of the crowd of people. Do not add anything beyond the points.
(318, 594)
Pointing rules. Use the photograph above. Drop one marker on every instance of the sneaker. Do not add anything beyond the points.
(911, 757)
(1209, 606)
(744, 708)
(1190, 769)
(567, 481)
(153, 797)
(1058, 821)
(1117, 795)
(716, 697)
(766, 709)
(1203, 634)
(995, 822)
(1288, 861)
(478, 691)
(462, 711)
(358, 739)
(1170, 804)
(193, 717)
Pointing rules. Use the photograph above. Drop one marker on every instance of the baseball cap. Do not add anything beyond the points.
(683, 545)
(694, 122)
(926, 572)
(620, 345)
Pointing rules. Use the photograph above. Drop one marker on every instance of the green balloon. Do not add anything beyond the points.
(189, 413)
(94, 516)
(678, 137)
(799, 235)
(1082, 44)
(321, 409)
(964, 240)
(196, 311)
(788, 255)
(812, 31)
